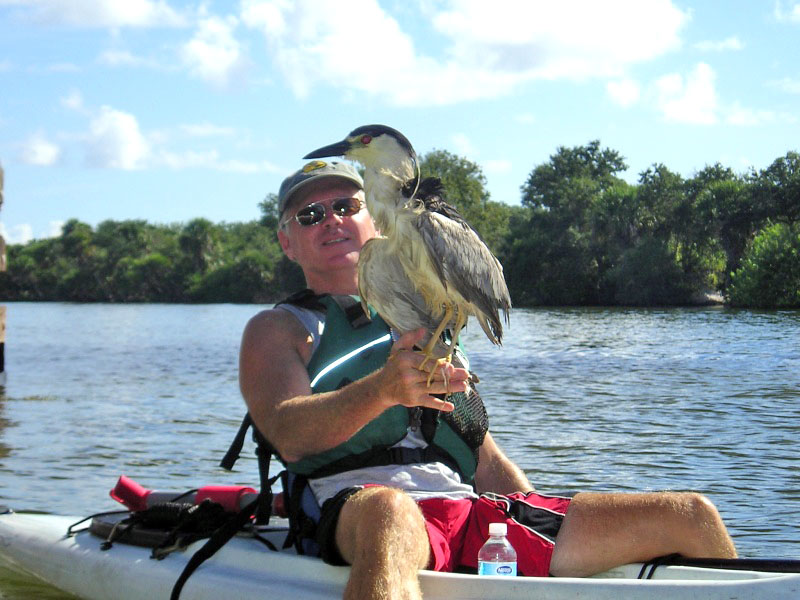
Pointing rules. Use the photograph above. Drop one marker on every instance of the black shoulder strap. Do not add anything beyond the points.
(217, 540)
(350, 306)
(353, 311)
(264, 452)
(235, 451)
(306, 299)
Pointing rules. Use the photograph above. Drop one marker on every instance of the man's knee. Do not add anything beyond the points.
(698, 509)
(385, 506)
(376, 516)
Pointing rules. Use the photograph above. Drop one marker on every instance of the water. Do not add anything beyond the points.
(583, 399)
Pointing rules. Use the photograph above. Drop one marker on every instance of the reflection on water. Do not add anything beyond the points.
(582, 399)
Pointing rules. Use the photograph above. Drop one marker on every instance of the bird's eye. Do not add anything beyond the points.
(366, 139)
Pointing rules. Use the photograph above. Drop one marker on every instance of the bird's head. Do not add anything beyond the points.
(381, 149)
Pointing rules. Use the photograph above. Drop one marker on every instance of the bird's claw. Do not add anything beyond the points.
(440, 364)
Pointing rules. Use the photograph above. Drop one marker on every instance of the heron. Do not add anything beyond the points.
(428, 267)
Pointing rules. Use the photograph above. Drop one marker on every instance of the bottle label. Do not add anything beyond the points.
(497, 568)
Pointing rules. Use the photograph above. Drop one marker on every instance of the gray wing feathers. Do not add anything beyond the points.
(468, 266)
(383, 283)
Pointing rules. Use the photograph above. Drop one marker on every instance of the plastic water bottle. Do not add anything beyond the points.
(497, 556)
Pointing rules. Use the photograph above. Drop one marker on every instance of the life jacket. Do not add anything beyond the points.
(351, 347)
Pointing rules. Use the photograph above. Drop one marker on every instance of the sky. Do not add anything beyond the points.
(169, 110)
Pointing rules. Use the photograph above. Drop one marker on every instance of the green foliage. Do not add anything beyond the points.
(769, 276)
(581, 236)
(648, 274)
(542, 269)
(567, 183)
(247, 279)
(133, 261)
(777, 189)
(269, 212)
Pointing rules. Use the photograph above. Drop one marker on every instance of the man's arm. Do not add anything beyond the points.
(274, 382)
(496, 472)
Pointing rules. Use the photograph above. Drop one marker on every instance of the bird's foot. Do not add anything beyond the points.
(440, 364)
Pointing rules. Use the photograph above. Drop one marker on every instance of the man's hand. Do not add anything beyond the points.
(404, 383)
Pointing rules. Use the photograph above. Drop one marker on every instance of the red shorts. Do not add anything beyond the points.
(458, 528)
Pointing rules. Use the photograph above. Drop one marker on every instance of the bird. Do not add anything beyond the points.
(428, 267)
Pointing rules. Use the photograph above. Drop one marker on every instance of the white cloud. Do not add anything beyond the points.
(73, 101)
(741, 115)
(38, 150)
(54, 229)
(574, 39)
(17, 234)
(787, 15)
(315, 43)
(103, 13)
(63, 67)
(207, 130)
(693, 100)
(123, 58)
(22, 234)
(115, 141)
(787, 84)
(525, 118)
(624, 92)
(731, 43)
(212, 160)
(213, 54)
(462, 144)
(690, 99)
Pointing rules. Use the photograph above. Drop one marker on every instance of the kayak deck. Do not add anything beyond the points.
(244, 567)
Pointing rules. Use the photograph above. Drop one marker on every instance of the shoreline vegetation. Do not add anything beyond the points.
(581, 236)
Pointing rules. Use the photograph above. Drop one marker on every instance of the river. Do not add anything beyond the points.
(704, 399)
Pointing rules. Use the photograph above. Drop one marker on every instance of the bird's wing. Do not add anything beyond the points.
(383, 284)
(466, 263)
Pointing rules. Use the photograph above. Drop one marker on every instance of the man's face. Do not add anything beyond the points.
(333, 243)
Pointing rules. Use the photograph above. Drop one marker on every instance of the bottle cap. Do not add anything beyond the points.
(498, 529)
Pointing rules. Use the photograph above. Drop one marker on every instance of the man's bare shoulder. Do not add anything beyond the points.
(278, 329)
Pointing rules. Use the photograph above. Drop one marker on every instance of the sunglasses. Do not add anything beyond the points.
(315, 213)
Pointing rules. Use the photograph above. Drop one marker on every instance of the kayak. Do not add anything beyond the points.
(38, 544)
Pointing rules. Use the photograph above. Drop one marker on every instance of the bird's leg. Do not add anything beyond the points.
(427, 351)
(461, 320)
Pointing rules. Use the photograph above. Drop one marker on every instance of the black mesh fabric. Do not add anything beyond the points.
(469, 418)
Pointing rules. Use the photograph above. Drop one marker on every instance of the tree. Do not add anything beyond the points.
(777, 189)
(769, 276)
(269, 211)
(647, 274)
(566, 184)
(200, 244)
(557, 256)
(725, 207)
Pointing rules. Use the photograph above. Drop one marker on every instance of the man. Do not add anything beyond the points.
(423, 512)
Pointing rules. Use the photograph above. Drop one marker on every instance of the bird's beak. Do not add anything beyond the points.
(337, 149)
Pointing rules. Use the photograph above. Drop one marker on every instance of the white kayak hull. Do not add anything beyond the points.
(245, 568)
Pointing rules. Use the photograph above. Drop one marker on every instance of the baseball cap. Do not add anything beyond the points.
(315, 171)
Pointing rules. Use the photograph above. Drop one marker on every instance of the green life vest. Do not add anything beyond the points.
(352, 347)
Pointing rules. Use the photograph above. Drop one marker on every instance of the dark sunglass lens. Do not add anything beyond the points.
(347, 207)
(311, 214)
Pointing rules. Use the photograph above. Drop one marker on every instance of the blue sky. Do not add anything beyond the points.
(167, 110)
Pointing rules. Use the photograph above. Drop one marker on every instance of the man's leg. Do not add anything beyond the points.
(601, 531)
(382, 534)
